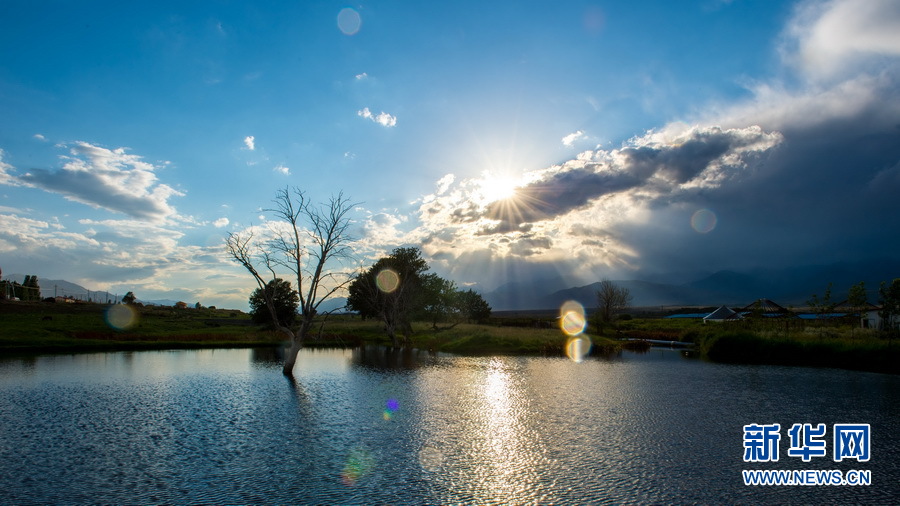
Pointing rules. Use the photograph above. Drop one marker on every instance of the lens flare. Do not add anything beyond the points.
(703, 221)
(430, 458)
(571, 318)
(359, 463)
(348, 21)
(387, 280)
(391, 407)
(121, 316)
(578, 347)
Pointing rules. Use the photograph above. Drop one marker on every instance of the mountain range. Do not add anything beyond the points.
(787, 286)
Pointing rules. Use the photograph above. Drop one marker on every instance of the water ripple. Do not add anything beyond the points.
(378, 426)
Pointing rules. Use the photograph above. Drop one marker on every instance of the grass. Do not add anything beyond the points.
(40, 326)
(865, 351)
(467, 339)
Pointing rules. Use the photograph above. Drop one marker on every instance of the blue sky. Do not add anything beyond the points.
(642, 137)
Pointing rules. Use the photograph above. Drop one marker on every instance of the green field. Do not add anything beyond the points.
(41, 327)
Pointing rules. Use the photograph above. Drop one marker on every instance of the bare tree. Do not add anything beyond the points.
(611, 299)
(306, 240)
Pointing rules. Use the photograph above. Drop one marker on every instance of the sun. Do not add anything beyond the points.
(495, 187)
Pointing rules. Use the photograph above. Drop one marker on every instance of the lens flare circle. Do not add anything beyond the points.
(703, 221)
(572, 320)
(387, 280)
(348, 21)
(121, 316)
(430, 458)
(391, 407)
(360, 462)
(578, 347)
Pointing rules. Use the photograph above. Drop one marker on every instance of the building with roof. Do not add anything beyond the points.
(722, 314)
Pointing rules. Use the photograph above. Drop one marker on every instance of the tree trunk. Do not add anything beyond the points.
(392, 333)
(290, 359)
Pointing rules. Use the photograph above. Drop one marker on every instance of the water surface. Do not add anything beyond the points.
(372, 426)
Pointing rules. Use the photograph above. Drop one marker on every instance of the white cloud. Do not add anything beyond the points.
(444, 183)
(104, 178)
(5, 177)
(282, 169)
(250, 142)
(384, 119)
(570, 139)
(221, 222)
(828, 39)
(40, 137)
(360, 77)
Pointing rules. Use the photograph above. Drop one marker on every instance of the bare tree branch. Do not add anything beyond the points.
(306, 240)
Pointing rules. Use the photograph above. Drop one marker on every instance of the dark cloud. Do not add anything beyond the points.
(573, 187)
(683, 162)
(827, 194)
(529, 246)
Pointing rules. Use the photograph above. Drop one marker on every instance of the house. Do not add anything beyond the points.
(722, 314)
(765, 308)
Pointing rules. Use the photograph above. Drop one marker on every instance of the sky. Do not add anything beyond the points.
(509, 140)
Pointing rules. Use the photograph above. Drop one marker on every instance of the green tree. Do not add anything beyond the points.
(474, 306)
(611, 300)
(857, 299)
(439, 301)
(28, 290)
(308, 241)
(391, 290)
(889, 298)
(397, 289)
(129, 298)
(822, 306)
(283, 296)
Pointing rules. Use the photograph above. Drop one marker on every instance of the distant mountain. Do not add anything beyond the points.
(60, 287)
(524, 294)
(787, 286)
(162, 302)
(337, 303)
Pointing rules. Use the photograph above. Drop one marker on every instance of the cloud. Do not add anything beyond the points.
(5, 177)
(803, 171)
(282, 169)
(40, 137)
(661, 165)
(570, 139)
(221, 222)
(360, 77)
(384, 119)
(250, 142)
(444, 183)
(104, 178)
(829, 39)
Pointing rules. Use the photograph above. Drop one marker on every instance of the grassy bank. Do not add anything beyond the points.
(776, 342)
(860, 351)
(43, 327)
(467, 339)
(47, 327)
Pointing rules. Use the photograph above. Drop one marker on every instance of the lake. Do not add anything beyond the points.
(371, 425)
